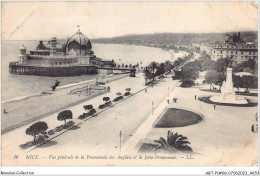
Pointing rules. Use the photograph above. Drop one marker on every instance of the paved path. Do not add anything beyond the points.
(223, 137)
(37, 106)
(102, 132)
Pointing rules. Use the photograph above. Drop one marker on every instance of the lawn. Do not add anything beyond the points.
(177, 118)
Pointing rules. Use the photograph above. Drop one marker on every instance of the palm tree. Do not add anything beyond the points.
(153, 66)
(175, 143)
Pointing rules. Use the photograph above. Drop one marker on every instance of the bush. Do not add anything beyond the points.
(108, 103)
(87, 107)
(127, 94)
(58, 129)
(92, 111)
(187, 83)
(50, 132)
(69, 123)
(118, 98)
(102, 106)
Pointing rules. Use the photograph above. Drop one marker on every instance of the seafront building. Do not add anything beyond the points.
(236, 49)
(75, 57)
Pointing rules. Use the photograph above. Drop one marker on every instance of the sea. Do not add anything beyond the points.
(20, 86)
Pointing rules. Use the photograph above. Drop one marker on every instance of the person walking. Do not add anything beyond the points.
(214, 107)
(195, 97)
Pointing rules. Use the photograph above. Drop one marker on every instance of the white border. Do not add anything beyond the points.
(172, 170)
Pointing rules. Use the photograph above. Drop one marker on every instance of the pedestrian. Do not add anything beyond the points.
(168, 101)
(195, 97)
(214, 107)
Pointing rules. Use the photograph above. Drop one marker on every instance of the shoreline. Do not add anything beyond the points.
(58, 89)
(16, 118)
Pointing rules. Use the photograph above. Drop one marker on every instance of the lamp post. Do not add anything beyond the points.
(152, 107)
(120, 135)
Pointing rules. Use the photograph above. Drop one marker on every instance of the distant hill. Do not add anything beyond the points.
(161, 39)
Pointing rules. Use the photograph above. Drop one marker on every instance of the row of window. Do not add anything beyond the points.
(232, 52)
(237, 47)
(243, 58)
(64, 63)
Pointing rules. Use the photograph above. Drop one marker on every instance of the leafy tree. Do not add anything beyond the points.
(64, 115)
(189, 73)
(214, 77)
(237, 68)
(168, 66)
(153, 66)
(118, 94)
(128, 89)
(92, 111)
(248, 82)
(174, 143)
(106, 99)
(221, 65)
(88, 107)
(178, 62)
(160, 70)
(251, 63)
(36, 129)
(147, 74)
(237, 82)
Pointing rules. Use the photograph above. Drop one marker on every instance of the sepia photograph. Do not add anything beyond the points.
(129, 83)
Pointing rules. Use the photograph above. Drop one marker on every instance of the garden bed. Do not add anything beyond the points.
(177, 118)
(207, 100)
(238, 93)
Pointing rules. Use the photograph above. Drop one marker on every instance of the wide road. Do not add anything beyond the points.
(101, 133)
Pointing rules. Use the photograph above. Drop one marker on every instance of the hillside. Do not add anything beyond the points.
(169, 39)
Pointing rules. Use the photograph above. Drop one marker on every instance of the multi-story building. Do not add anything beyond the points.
(236, 49)
(57, 59)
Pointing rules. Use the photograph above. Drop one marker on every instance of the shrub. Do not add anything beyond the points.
(50, 132)
(102, 106)
(187, 83)
(127, 94)
(118, 98)
(92, 111)
(87, 107)
(108, 103)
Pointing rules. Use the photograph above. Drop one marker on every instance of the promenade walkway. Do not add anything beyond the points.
(101, 133)
(21, 112)
(223, 137)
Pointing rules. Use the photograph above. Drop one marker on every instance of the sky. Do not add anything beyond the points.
(43, 20)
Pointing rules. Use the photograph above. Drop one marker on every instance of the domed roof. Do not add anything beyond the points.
(79, 38)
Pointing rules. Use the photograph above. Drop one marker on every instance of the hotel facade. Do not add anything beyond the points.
(236, 49)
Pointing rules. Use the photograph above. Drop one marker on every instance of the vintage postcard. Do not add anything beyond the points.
(129, 83)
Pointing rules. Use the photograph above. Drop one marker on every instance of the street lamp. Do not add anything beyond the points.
(120, 135)
(152, 107)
